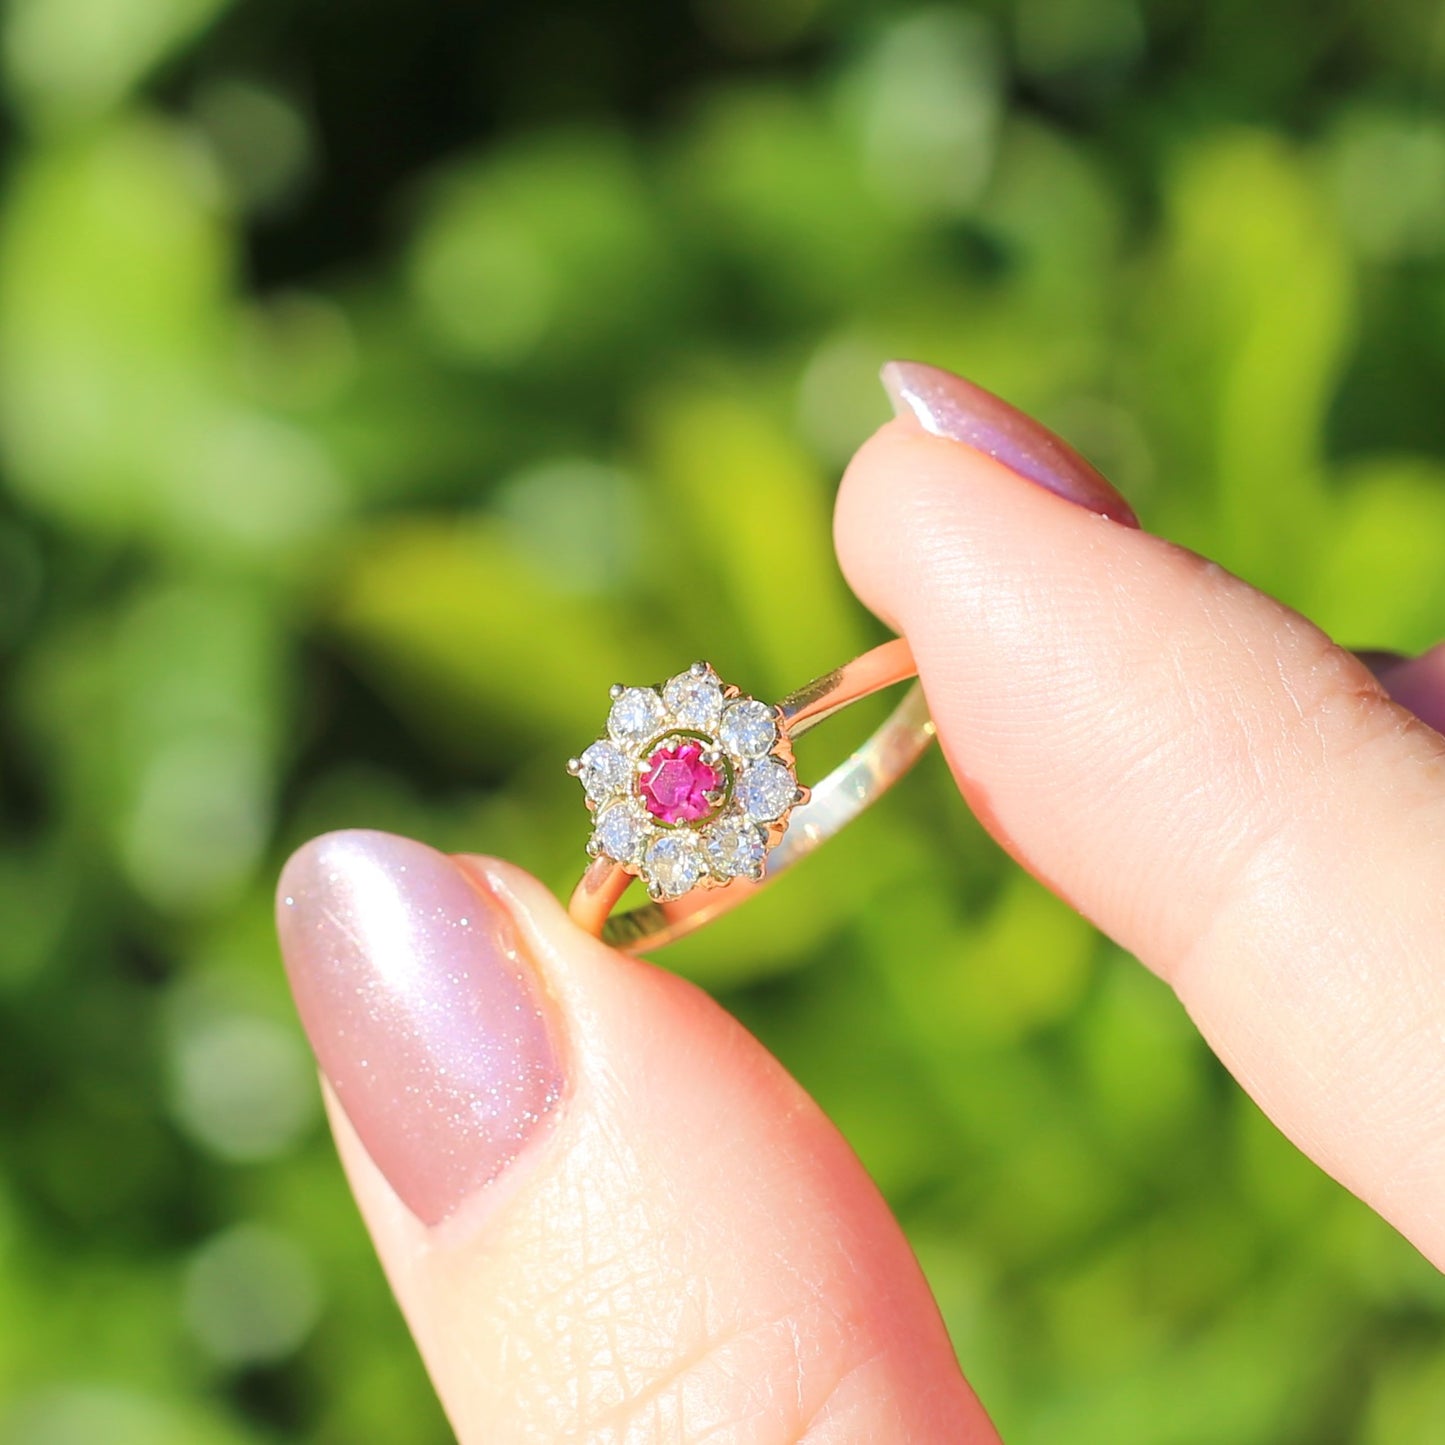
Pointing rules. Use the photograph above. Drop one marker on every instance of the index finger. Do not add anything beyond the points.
(1196, 767)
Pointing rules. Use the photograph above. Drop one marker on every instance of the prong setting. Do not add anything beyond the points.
(692, 784)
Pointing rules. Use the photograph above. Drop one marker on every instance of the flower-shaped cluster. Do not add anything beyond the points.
(692, 785)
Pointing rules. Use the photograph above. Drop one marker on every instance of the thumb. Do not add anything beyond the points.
(607, 1213)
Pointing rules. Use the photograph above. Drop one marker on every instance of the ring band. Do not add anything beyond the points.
(684, 790)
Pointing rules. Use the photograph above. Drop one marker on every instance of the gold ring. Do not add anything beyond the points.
(694, 789)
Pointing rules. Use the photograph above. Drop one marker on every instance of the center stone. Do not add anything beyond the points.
(676, 783)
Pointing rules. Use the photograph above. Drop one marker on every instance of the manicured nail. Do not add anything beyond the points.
(948, 406)
(423, 1011)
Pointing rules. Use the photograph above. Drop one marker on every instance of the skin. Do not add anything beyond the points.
(688, 1250)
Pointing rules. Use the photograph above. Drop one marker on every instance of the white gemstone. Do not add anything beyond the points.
(766, 790)
(734, 847)
(748, 728)
(695, 700)
(605, 772)
(621, 832)
(673, 862)
(636, 716)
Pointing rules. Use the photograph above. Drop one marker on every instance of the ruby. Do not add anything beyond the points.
(677, 782)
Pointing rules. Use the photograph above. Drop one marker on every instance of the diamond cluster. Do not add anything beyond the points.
(692, 785)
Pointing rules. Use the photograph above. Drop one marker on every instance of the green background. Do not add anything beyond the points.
(362, 368)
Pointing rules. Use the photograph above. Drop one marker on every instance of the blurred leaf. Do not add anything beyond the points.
(1247, 1380)
(67, 60)
(925, 99)
(1379, 581)
(112, 276)
(545, 251)
(251, 1296)
(115, 397)
(459, 631)
(75, 1414)
(966, 985)
(1389, 180)
(160, 726)
(758, 26)
(1248, 320)
(37, 895)
(1407, 1400)
(1060, 226)
(1286, 1189)
(747, 518)
(1044, 1194)
(1377, 1265)
(1078, 44)
(1143, 1062)
(1026, 967)
(776, 190)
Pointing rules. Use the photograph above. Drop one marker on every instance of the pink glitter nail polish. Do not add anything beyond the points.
(948, 406)
(422, 1009)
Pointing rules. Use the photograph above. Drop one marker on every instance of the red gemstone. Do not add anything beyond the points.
(677, 782)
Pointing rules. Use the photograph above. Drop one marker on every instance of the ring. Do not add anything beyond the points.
(694, 789)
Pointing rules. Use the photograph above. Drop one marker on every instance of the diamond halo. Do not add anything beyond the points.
(691, 784)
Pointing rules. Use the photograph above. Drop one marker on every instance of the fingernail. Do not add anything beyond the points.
(423, 1010)
(948, 406)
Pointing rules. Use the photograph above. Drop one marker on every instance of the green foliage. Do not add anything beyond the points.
(348, 411)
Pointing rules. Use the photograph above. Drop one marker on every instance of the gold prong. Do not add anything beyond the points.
(756, 872)
(803, 794)
(700, 668)
(574, 766)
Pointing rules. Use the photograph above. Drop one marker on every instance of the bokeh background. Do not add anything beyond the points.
(363, 371)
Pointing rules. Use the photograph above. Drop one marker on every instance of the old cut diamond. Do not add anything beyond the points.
(621, 832)
(734, 847)
(695, 700)
(748, 728)
(636, 716)
(766, 790)
(605, 772)
(673, 863)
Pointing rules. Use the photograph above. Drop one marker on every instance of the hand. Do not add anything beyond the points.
(609, 1215)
